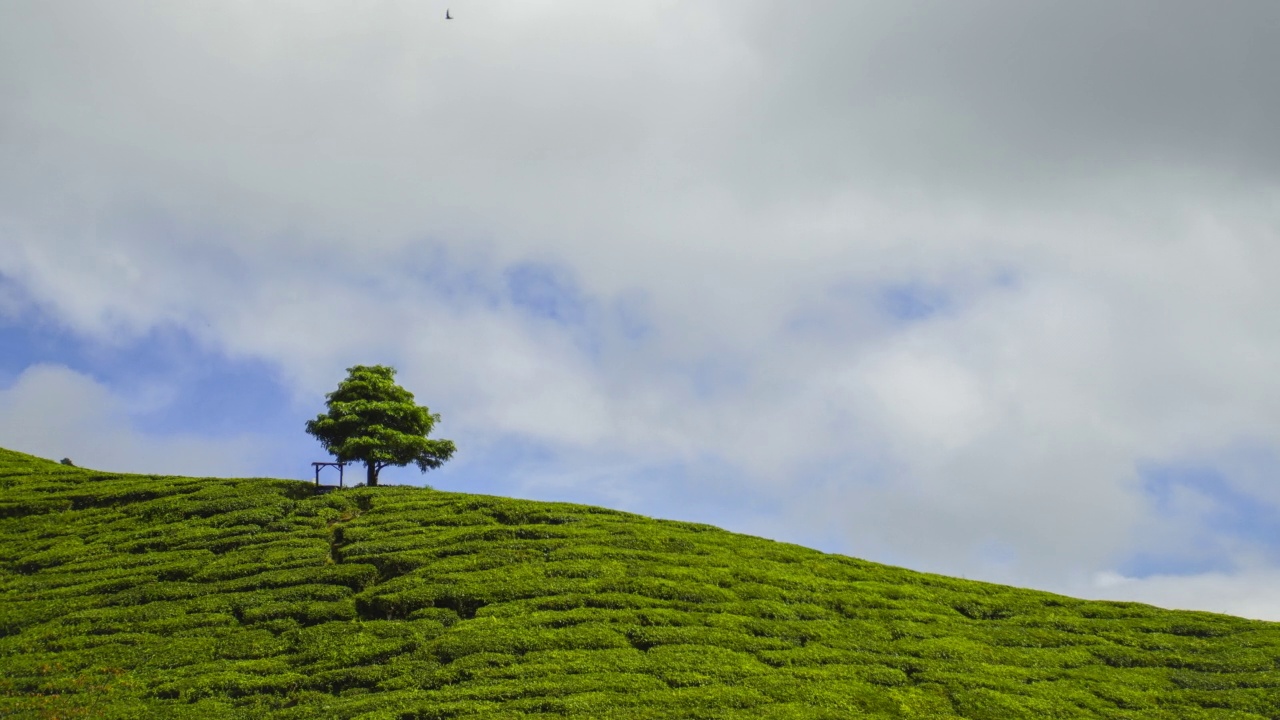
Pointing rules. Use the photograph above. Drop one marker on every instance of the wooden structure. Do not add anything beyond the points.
(318, 465)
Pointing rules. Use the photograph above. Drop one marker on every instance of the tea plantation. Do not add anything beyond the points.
(133, 596)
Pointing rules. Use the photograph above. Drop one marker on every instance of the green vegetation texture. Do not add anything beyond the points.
(134, 596)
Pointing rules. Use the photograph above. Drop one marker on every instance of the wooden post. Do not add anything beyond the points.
(318, 465)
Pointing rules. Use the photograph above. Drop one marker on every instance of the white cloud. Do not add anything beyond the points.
(925, 397)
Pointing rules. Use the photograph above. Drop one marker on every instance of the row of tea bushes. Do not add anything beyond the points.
(130, 596)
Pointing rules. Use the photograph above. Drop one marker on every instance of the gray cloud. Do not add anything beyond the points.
(1031, 99)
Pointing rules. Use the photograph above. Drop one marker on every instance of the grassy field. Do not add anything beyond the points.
(135, 596)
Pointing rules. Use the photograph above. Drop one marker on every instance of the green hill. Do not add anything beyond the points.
(134, 596)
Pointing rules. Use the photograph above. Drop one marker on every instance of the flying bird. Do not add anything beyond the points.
(447, 16)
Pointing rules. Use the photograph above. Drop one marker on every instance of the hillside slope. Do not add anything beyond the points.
(125, 596)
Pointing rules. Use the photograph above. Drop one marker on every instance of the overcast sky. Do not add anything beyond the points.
(977, 288)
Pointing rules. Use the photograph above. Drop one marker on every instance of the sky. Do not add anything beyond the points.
(979, 288)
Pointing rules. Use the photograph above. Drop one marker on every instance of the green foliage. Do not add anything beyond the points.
(130, 596)
(373, 420)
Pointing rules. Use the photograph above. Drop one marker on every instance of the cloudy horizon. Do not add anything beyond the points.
(976, 288)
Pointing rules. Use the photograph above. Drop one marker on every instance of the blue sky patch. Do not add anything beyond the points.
(1006, 278)
(217, 397)
(631, 315)
(1148, 564)
(31, 341)
(460, 281)
(912, 301)
(550, 293)
(719, 377)
(997, 552)
(1233, 514)
(546, 291)
(211, 394)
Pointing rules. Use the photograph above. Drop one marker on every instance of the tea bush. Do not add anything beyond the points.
(139, 596)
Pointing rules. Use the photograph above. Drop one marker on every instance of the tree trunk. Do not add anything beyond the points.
(371, 479)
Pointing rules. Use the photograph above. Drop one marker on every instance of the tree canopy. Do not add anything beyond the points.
(373, 420)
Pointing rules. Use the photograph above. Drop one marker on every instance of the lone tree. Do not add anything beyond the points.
(374, 421)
